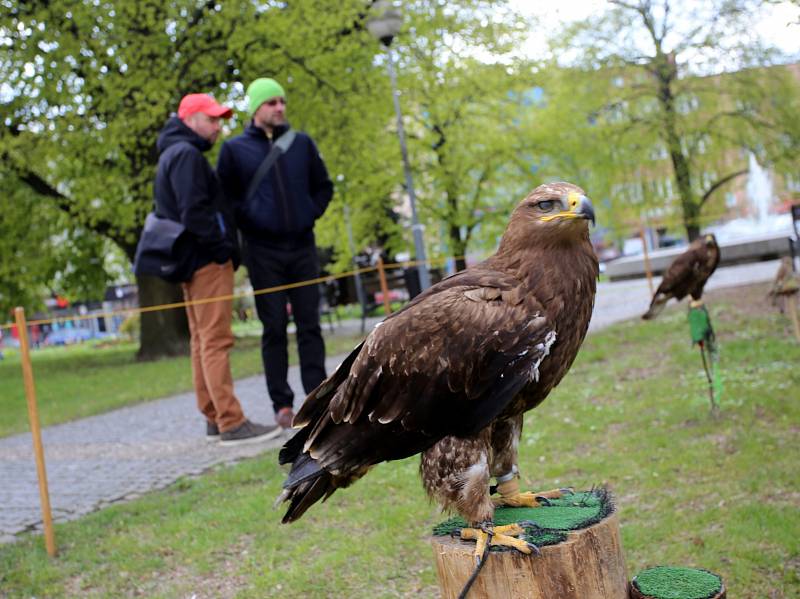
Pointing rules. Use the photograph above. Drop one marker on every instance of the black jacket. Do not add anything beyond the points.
(293, 194)
(187, 190)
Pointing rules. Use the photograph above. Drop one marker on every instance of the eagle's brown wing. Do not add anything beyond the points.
(682, 273)
(447, 364)
(707, 262)
(679, 279)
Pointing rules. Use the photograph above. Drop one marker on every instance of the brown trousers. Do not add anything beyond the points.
(212, 340)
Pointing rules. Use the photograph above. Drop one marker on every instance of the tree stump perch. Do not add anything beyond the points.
(589, 565)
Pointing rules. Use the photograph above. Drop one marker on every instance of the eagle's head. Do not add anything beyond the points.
(551, 213)
(710, 240)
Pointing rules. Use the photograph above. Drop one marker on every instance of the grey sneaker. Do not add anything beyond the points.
(212, 432)
(249, 432)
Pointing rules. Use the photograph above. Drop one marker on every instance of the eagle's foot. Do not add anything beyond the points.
(498, 536)
(511, 496)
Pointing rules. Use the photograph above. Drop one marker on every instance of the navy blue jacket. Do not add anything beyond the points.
(187, 190)
(291, 196)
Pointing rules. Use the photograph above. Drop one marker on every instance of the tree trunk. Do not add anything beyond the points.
(163, 332)
(588, 565)
(665, 71)
(458, 246)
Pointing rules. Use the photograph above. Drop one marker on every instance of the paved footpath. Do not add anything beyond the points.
(120, 455)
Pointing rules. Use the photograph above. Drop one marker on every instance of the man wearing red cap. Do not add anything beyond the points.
(187, 191)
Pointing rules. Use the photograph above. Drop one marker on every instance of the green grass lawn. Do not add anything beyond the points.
(81, 380)
(632, 414)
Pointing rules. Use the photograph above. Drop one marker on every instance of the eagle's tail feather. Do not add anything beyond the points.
(293, 448)
(311, 485)
(304, 467)
(656, 306)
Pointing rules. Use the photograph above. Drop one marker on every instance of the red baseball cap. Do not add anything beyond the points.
(204, 103)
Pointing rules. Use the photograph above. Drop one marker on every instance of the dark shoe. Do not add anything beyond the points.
(212, 432)
(249, 432)
(284, 417)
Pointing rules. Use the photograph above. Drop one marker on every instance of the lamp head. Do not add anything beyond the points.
(386, 23)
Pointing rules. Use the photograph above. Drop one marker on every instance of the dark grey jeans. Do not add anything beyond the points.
(272, 267)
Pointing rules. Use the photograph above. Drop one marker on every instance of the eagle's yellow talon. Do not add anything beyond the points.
(511, 496)
(504, 536)
(526, 499)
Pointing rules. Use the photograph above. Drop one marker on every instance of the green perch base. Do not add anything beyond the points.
(551, 523)
(671, 582)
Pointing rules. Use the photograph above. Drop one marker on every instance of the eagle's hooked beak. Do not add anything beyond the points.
(580, 206)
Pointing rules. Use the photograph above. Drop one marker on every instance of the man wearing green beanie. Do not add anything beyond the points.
(277, 224)
(262, 90)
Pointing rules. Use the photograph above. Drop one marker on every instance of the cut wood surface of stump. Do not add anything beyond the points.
(588, 564)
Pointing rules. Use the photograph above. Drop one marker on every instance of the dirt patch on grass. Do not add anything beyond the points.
(640, 374)
(747, 299)
(222, 585)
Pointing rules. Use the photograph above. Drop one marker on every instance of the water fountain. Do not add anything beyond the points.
(761, 235)
(759, 189)
(761, 223)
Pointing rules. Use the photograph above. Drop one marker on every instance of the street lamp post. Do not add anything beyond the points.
(384, 27)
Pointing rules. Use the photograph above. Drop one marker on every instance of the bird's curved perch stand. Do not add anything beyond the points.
(589, 564)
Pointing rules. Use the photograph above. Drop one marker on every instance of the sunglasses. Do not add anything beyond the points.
(275, 102)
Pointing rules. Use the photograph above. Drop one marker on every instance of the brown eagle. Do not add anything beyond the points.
(452, 373)
(687, 274)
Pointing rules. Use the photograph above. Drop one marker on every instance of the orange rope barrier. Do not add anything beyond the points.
(140, 310)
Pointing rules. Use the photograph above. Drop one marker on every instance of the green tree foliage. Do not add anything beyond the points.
(688, 91)
(88, 85)
(41, 252)
(463, 95)
(571, 142)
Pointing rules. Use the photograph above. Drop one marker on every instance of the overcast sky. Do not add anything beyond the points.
(773, 24)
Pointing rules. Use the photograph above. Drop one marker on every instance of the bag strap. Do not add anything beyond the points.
(281, 146)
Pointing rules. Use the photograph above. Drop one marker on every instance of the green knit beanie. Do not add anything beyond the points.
(261, 90)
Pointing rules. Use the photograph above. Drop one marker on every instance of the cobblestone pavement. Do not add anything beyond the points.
(120, 455)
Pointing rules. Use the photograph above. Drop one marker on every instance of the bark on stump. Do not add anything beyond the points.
(588, 565)
(637, 594)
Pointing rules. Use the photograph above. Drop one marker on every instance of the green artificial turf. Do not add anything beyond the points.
(546, 525)
(670, 582)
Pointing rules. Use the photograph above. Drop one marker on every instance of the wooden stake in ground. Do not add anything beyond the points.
(647, 270)
(588, 565)
(791, 306)
(387, 302)
(33, 417)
